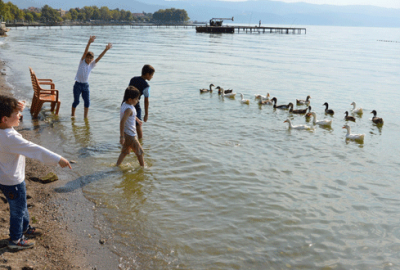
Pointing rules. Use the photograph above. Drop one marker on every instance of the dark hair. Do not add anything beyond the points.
(147, 69)
(130, 92)
(89, 54)
(7, 106)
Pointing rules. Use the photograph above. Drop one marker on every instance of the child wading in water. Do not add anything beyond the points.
(144, 88)
(13, 149)
(128, 135)
(81, 86)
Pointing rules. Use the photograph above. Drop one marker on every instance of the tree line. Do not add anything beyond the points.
(10, 12)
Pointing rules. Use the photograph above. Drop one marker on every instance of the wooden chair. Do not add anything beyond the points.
(42, 95)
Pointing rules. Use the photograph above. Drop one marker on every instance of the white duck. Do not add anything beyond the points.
(244, 101)
(359, 137)
(324, 122)
(303, 127)
(227, 95)
(356, 110)
(261, 97)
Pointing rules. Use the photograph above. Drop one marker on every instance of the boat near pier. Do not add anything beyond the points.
(215, 26)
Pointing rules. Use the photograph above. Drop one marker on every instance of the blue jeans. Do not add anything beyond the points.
(81, 88)
(19, 216)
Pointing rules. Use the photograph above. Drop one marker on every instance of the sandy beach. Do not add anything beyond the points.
(69, 240)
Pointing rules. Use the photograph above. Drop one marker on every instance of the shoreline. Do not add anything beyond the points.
(69, 239)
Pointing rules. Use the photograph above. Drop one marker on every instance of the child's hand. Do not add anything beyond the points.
(92, 38)
(64, 163)
(122, 140)
(109, 46)
(140, 122)
(21, 105)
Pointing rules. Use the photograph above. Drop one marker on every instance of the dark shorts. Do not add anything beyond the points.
(138, 113)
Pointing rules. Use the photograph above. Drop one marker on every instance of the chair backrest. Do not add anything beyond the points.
(35, 83)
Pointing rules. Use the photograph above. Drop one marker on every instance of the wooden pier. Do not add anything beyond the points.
(249, 29)
(262, 29)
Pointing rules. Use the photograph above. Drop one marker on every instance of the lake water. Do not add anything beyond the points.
(227, 185)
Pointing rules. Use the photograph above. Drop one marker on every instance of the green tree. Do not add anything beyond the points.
(105, 14)
(171, 15)
(5, 11)
(50, 15)
(67, 16)
(74, 14)
(96, 13)
(88, 12)
(29, 17)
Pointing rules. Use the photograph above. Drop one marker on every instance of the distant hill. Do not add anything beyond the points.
(269, 12)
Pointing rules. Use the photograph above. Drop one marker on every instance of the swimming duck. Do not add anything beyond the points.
(304, 127)
(349, 136)
(376, 120)
(207, 90)
(220, 90)
(308, 115)
(282, 107)
(244, 101)
(261, 97)
(265, 101)
(328, 111)
(356, 110)
(303, 102)
(228, 95)
(296, 111)
(324, 122)
(349, 117)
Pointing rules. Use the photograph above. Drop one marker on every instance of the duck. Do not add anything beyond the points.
(261, 97)
(359, 137)
(356, 110)
(282, 107)
(328, 111)
(265, 101)
(303, 102)
(244, 101)
(220, 90)
(308, 115)
(324, 122)
(228, 95)
(303, 127)
(349, 117)
(204, 90)
(296, 111)
(376, 120)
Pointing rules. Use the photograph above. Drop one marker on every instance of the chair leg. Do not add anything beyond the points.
(58, 107)
(53, 105)
(38, 108)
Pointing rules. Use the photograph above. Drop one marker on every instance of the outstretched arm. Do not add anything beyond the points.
(91, 39)
(109, 46)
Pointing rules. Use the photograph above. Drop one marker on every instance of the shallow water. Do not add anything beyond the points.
(227, 185)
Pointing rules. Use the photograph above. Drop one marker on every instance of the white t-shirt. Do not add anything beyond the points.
(82, 75)
(13, 149)
(130, 124)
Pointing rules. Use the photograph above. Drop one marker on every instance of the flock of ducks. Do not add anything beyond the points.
(265, 100)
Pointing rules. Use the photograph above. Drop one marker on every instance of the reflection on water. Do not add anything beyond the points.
(229, 186)
(81, 132)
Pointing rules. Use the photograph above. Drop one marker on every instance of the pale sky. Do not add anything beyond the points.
(379, 3)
